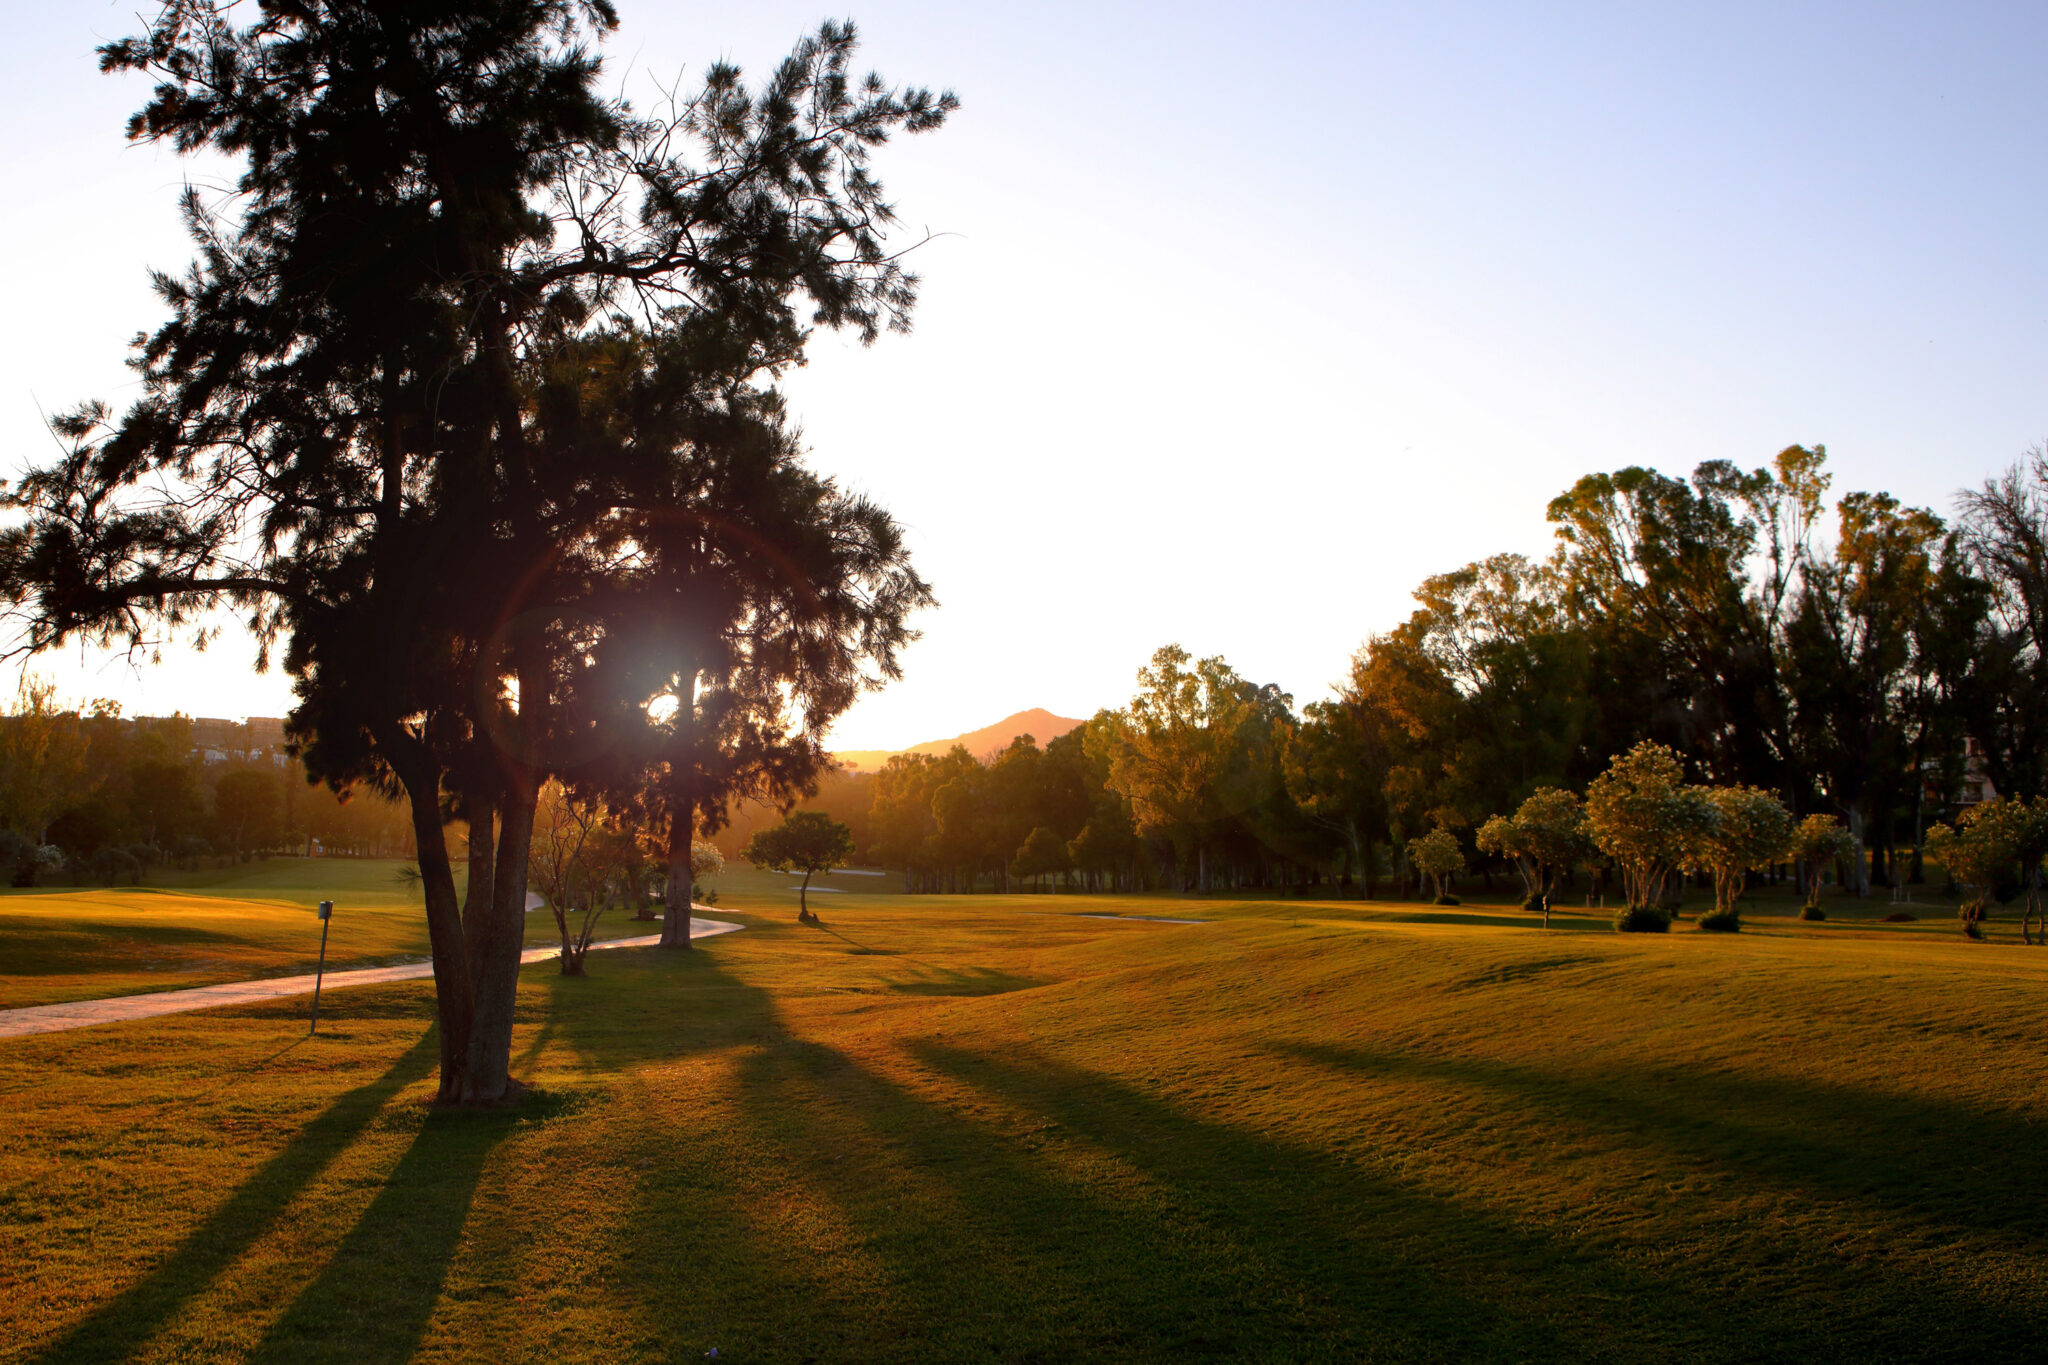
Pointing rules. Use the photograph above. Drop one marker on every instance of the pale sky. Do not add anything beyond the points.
(1249, 317)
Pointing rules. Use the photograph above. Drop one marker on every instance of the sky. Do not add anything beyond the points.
(1238, 321)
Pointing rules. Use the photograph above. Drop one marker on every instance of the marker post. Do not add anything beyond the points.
(326, 920)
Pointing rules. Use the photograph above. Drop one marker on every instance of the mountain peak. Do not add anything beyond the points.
(1039, 723)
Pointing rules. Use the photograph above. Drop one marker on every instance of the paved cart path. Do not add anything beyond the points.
(80, 1013)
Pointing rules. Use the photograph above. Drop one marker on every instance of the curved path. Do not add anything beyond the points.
(80, 1013)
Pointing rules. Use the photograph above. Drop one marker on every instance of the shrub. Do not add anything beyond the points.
(1448, 900)
(1900, 918)
(1815, 912)
(1641, 919)
(1533, 904)
(1727, 921)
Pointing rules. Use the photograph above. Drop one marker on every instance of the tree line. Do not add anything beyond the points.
(1871, 663)
(88, 797)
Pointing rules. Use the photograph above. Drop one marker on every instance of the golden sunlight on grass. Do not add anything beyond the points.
(970, 1127)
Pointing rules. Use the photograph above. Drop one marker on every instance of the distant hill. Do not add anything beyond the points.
(1039, 723)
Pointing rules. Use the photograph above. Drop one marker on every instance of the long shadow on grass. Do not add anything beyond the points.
(395, 1259)
(1939, 1170)
(1962, 1167)
(117, 1327)
(833, 1213)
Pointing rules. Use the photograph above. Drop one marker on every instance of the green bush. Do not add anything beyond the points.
(1812, 912)
(1902, 917)
(1641, 919)
(1533, 904)
(1721, 921)
(1448, 900)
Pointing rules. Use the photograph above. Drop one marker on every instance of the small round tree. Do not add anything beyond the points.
(1815, 842)
(1989, 843)
(809, 842)
(1643, 816)
(1750, 830)
(1544, 837)
(1437, 856)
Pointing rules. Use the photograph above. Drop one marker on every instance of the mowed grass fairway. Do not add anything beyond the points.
(954, 1128)
(248, 920)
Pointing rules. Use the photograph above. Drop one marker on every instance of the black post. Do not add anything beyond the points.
(326, 920)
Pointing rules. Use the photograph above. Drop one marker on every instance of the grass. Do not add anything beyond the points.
(966, 1128)
(219, 924)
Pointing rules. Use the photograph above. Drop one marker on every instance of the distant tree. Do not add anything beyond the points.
(1998, 840)
(1335, 764)
(1682, 645)
(1814, 843)
(248, 808)
(901, 816)
(1041, 854)
(568, 864)
(809, 842)
(44, 761)
(163, 800)
(1977, 856)
(1437, 856)
(1641, 814)
(1848, 652)
(1166, 751)
(1545, 837)
(2004, 527)
(1107, 846)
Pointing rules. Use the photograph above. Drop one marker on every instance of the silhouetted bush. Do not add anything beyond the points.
(1641, 919)
(1902, 917)
(1533, 904)
(1812, 912)
(1721, 921)
(1448, 900)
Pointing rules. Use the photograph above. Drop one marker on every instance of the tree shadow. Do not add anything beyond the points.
(844, 1215)
(643, 1004)
(1960, 1166)
(113, 1330)
(396, 1257)
(967, 981)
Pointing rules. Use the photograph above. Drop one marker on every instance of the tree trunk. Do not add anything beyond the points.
(454, 1001)
(476, 897)
(495, 954)
(675, 895)
(1859, 870)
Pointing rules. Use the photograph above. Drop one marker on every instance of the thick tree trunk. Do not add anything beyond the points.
(476, 897)
(495, 952)
(675, 896)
